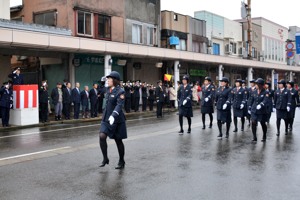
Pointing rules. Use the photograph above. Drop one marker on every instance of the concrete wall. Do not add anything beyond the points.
(168, 22)
(5, 9)
(233, 30)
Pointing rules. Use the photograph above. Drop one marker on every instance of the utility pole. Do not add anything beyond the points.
(249, 18)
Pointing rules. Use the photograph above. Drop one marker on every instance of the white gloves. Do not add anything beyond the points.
(241, 106)
(111, 120)
(224, 106)
(288, 109)
(15, 71)
(184, 102)
(249, 112)
(206, 99)
(157, 101)
(7, 86)
(258, 107)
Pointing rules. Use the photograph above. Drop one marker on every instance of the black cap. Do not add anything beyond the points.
(5, 83)
(186, 77)
(239, 81)
(243, 81)
(253, 81)
(208, 78)
(282, 81)
(260, 81)
(114, 75)
(17, 68)
(268, 83)
(58, 83)
(225, 79)
(292, 83)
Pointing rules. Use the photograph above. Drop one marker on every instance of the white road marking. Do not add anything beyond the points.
(61, 129)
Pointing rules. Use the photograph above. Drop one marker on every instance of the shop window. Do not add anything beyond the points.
(137, 34)
(104, 27)
(84, 23)
(45, 18)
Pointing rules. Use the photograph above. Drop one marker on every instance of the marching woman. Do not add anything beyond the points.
(113, 120)
(185, 103)
(270, 101)
(282, 103)
(258, 109)
(223, 101)
(207, 101)
(294, 103)
(239, 96)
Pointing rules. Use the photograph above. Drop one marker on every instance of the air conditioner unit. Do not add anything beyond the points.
(228, 48)
(121, 62)
(209, 51)
(159, 65)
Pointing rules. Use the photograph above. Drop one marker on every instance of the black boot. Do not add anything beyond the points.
(243, 124)
(220, 130)
(104, 162)
(254, 127)
(120, 165)
(235, 124)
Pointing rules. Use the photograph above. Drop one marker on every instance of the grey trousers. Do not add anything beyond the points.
(58, 108)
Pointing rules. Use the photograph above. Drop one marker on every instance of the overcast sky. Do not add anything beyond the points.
(285, 13)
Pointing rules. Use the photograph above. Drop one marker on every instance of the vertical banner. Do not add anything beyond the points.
(298, 43)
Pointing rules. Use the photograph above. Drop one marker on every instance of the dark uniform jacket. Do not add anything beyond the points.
(93, 96)
(250, 94)
(114, 104)
(185, 94)
(43, 95)
(144, 92)
(295, 101)
(84, 98)
(151, 95)
(223, 96)
(136, 93)
(209, 93)
(159, 94)
(239, 97)
(17, 79)
(76, 98)
(282, 99)
(67, 95)
(270, 101)
(6, 97)
(262, 99)
(127, 92)
(55, 96)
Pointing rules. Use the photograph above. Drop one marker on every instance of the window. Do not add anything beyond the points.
(150, 36)
(216, 49)
(104, 27)
(175, 17)
(182, 45)
(84, 23)
(196, 47)
(137, 34)
(45, 18)
(233, 47)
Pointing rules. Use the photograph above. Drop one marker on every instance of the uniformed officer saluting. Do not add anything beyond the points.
(207, 101)
(223, 101)
(258, 109)
(282, 103)
(6, 96)
(239, 98)
(294, 103)
(185, 95)
(17, 77)
(113, 120)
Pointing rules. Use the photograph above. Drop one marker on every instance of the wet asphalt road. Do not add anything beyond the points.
(61, 162)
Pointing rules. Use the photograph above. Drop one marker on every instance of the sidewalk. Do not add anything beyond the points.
(81, 120)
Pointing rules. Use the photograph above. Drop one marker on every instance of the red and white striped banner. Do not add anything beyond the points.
(25, 96)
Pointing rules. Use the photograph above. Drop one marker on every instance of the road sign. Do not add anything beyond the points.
(298, 43)
(290, 54)
(290, 46)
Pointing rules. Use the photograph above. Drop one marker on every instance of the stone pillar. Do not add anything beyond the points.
(176, 77)
(221, 69)
(71, 70)
(107, 65)
(273, 79)
(291, 77)
(250, 75)
(5, 9)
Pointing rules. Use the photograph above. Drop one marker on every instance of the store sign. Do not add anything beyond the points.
(298, 43)
(198, 72)
(89, 59)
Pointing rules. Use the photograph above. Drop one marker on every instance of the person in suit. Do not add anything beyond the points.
(207, 101)
(94, 100)
(136, 96)
(270, 101)
(223, 105)
(144, 96)
(239, 99)
(6, 98)
(113, 124)
(67, 100)
(101, 92)
(43, 101)
(295, 102)
(160, 98)
(76, 98)
(258, 109)
(127, 89)
(57, 100)
(17, 77)
(185, 97)
(282, 101)
(84, 95)
(151, 98)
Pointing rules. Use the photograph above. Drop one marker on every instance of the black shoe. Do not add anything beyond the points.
(203, 127)
(278, 134)
(210, 126)
(189, 130)
(254, 140)
(235, 130)
(181, 132)
(227, 136)
(56, 118)
(120, 165)
(220, 137)
(263, 140)
(242, 129)
(104, 162)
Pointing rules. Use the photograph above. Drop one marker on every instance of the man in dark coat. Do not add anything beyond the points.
(136, 96)
(76, 98)
(151, 97)
(67, 100)
(17, 77)
(295, 102)
(43, 102)
(160, 98)
(6, 97)
(144, 96)
(185, 97)
(127, 89)
(94, 100)
(207, 101)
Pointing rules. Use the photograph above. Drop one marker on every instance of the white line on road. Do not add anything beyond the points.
(61, 129)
